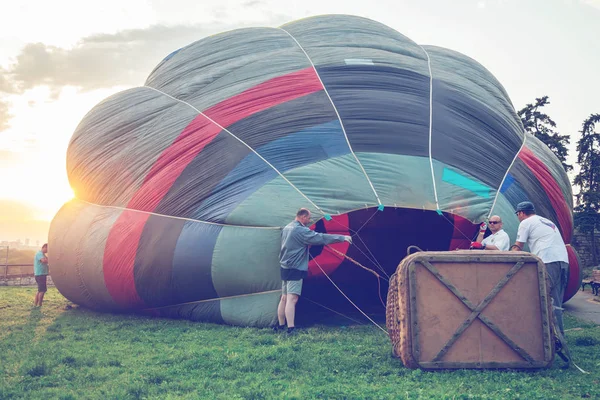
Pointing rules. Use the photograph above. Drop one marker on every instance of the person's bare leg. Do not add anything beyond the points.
(281, 310)
(41, 298)
(37, 297)
(290, 309)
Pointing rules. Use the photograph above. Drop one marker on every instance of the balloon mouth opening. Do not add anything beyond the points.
(380, 242)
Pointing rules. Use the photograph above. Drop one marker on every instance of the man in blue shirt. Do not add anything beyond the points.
(40, 270)
(293, 259)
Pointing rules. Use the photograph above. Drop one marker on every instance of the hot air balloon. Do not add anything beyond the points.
(184, 184)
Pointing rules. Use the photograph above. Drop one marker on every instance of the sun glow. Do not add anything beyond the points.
(33, 150)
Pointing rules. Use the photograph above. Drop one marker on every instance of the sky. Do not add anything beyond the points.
(59, 59)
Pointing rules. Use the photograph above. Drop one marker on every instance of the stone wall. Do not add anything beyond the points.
(21, 280)
(583, 245)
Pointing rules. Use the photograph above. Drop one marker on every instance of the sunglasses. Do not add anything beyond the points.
(495, 222)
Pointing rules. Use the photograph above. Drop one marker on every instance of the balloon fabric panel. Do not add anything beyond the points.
(184, 184)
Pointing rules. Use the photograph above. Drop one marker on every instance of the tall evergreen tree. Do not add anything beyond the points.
(587, 211)
(543, 127)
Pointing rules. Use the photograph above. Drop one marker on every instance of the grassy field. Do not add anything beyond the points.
(55, 353)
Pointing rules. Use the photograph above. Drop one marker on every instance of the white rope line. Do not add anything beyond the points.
(374, 260)
(347, 298)
(506, 174)
(336, 113)
(580, 370)
(437, 205)
(241, 141)
(180, 218)
(363, 225)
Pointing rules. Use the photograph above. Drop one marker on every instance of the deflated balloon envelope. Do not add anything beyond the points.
(183, 185)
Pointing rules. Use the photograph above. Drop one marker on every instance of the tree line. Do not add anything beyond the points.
(587, 204)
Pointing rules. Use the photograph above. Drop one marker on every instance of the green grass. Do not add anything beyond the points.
(54, 353)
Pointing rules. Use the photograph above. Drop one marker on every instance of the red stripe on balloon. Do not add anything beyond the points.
(119, 258)
(329, 260)
(553, 191)
(202, 131)
(125, 234)
(574, 281)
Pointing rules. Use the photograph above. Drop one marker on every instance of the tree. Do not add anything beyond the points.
(543, 127)
(587, 211)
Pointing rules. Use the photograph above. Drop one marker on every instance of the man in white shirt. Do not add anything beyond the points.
(545, 241)
(498, 240)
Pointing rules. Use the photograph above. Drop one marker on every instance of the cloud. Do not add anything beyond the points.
(124, 58)
(253, 3)
(5, 115)
(6, 87)
(98, 61)
(6, 84)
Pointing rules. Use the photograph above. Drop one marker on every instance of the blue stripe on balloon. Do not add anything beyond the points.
(464, 182)
(191, 278)
(308, 146)
(514, 192)
(508, 181)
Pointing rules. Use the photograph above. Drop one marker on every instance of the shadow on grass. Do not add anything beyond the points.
(19, 344)
(24, 333)
(309, 313)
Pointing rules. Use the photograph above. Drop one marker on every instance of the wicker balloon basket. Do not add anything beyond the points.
(467, 309)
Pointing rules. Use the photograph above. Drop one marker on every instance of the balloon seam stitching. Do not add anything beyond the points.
(180, 218)
(337, 114)
(437, 205)
(506, 173)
